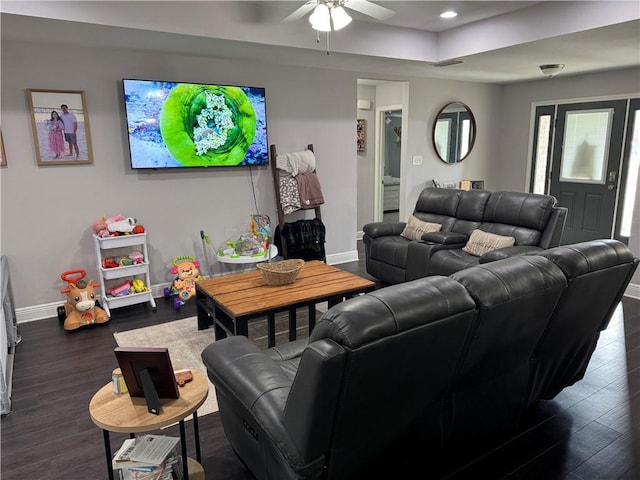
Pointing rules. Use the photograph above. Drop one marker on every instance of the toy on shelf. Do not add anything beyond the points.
(184, 285)
(133, 258)
(138, 286)
(82, 307)
(120, 290)
(115, 226)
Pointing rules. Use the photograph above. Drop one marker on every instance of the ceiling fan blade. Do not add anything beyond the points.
(370, 9)
(302, 11)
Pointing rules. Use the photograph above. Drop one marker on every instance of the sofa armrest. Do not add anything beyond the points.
(383, 229)
(288, 350)
(446, 238)
(244, 371)
(507, 252)
(419, 257)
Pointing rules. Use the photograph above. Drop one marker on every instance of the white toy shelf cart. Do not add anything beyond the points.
(141, 270)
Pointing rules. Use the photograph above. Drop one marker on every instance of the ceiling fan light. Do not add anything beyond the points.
(340, 18)
(320, 18)
(551, 70)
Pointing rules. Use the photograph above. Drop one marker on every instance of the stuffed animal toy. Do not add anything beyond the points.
(117, 225)
(101, 226)
(126, 225)
(186, 269)
(81, 307)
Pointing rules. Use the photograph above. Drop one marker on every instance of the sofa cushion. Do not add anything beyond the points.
(416, 228)
(482, 242)
(519, 209)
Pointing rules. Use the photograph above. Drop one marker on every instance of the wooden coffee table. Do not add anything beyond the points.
(229, 302)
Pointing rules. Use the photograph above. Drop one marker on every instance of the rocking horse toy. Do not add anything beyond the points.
(81, 308)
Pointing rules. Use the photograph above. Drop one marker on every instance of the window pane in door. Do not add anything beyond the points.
(632, 178)
(586, 146)
(542, 155)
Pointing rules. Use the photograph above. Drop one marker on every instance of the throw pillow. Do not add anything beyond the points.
(415, 228)
(481, 242)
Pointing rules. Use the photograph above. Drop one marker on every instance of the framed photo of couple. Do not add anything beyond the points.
(60, 127)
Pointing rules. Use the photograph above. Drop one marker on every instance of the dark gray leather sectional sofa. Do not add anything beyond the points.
(424, 363)
(535, 221)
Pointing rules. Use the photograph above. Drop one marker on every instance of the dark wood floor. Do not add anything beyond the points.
(590, 431)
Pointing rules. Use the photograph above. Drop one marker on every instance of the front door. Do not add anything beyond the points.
(586, 165)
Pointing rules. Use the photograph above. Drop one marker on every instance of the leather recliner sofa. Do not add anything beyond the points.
(534, 221)
(425, 364)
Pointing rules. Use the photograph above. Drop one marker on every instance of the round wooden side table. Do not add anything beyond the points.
(124, 414)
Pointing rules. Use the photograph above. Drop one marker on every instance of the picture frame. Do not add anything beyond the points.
(3, 157)
(156, 361)
(477, 184)
(54, 138)
(361, 134)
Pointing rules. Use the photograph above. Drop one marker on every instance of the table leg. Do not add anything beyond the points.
(204, 318)
(107, 449)
(219, 330)
(183, 443)
(292, 324)
(271, 330)
(196, 434)
(312, 317)
(333, 301)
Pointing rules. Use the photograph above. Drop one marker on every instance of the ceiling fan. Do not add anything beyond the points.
(331, 15)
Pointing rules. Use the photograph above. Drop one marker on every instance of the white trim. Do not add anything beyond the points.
(344, 257)
(359, 235)
(48, 310)
(379, 167)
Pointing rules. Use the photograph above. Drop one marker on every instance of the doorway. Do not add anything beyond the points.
(391, 137)
(580, 158)
(388, 162)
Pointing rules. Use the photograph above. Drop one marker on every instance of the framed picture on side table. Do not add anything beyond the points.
(60, 127)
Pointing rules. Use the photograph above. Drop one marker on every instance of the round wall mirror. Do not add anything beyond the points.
(454, 132)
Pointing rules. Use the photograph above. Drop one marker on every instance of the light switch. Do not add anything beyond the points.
(417, 159)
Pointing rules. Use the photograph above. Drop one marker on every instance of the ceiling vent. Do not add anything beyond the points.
(447, 63)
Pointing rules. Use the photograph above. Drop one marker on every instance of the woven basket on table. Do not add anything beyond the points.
(280, 273)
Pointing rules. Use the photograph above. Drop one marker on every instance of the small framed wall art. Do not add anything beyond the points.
(60, 127)
(361, 134)
(3, 158)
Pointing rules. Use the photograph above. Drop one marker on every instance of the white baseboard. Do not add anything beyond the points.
(48, 310)
(344, 257)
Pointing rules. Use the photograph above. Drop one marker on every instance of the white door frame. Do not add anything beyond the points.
(379, 165)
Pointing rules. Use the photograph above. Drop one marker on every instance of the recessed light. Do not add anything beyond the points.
(449, 14)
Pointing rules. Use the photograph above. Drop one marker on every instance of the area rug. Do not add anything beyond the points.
(185, 343)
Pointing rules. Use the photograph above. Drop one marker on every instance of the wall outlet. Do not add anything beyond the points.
(417, 159)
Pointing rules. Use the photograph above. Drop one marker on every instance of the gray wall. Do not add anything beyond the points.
(47, 212)
(366, 160)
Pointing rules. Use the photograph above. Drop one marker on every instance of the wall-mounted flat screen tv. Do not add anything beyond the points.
(175, 125)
